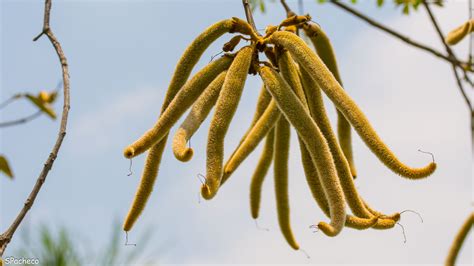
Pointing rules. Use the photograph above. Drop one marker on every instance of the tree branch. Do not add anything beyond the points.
(21, 120)
(248, 15)
(397, 35)
(6, 237)
(456, 74)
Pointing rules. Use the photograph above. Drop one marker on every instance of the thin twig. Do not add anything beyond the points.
(6, 237)
(286, 7)
(248, 15)
(10, 100)
(21, 120)
(396, 34)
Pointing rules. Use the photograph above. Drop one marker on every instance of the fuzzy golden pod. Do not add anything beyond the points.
(260, 172)
(318, 112)
(181, 102)
(191, 56)
(263, 101)
(226, 106)
(314, 183)
(261, 128)
(295, 113)
(324, 48)
(196, 116)
(460, 32)
(459, 240)
(325, 79)
(150, 172)
(289, 71)
(280, 172)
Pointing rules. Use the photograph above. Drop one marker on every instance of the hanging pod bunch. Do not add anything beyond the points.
(294, 78)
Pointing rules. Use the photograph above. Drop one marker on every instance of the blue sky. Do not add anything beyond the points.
(121, 56)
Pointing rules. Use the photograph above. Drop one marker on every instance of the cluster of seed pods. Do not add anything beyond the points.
(294, 77)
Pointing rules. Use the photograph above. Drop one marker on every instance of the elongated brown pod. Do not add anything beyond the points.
(459, 240)
(266, 122)
(196, 116)
(296, 114)
(280, 172)
(460, 32)
(323, 77)
(224, 112)
(260, 172)
(323, 46)
(289, 71)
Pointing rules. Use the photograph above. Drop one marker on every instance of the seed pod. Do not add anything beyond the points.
(263, 101)
(290, 73)
(294, 20)
(460, 32)
(318, 112)
(280, 170)
(150, 172)
(294, 111)
(185, 65)
(326, 52)
(226, 106)
(322, 76)
(182, 101)
(230, 45)
(256, 134)
(196, 116)
(314, 183)
(260, 172)
(459, 240)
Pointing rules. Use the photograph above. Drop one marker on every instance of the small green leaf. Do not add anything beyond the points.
(43, 106)
(380, 3)
(262, 6)
(5, 167)
(406, 10)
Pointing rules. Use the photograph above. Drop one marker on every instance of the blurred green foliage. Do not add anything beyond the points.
(61, 248)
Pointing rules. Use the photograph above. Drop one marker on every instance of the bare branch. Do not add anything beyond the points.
(21, 120)
(248, 15)
(6, 237)
(456, 74)
(396, 34)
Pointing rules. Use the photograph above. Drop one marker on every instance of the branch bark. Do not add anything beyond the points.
(397, 35)
(6, 237)
(248, 15)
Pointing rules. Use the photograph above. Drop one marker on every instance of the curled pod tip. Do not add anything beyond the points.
(296, 114)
